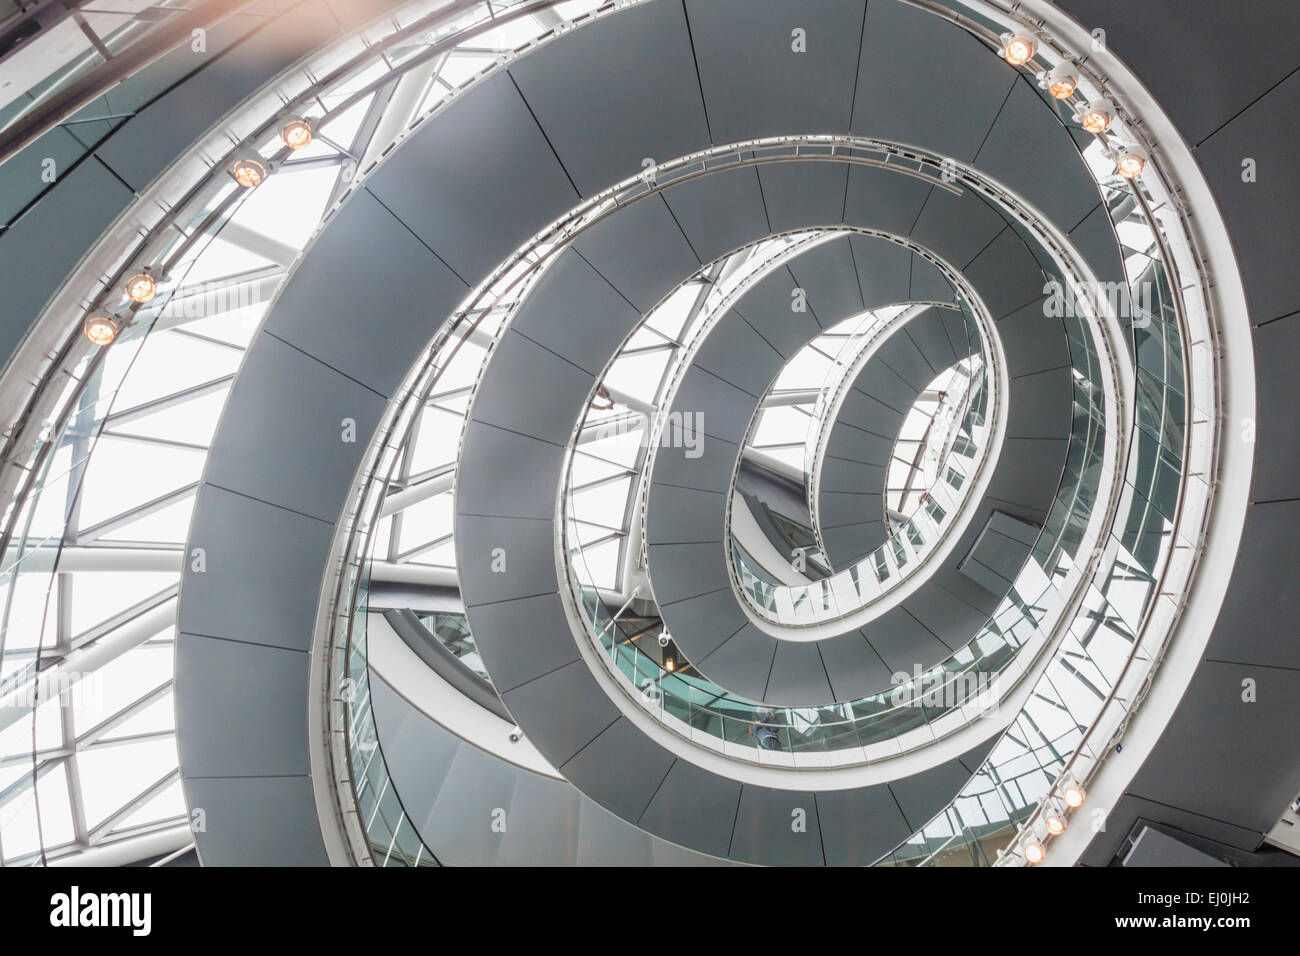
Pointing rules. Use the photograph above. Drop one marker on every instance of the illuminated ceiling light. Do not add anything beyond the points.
(670, 665)
(296, 133)
(1035, 852)
(1074, 795)
(1017, 49)
(1055, 823)
(141, 287)
(101, 328)
(1059, 83)
(248, 172)
(1130, 164)
(1095, 118)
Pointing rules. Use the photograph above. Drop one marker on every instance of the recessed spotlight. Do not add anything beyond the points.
(1130, 164)
(1074, 795)
(141, 287)
(1017, 49)
(1095, 118)
(1060, 83)
(101, 328)
(1035, 852)
(248, 172)
(296, 133)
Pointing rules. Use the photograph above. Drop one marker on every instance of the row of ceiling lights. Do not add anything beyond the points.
(1069, 797)
(102, 328)
(1018, 49)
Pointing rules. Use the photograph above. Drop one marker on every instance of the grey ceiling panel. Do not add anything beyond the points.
(860, 826)
(1006, 275)
(242, 712)
(954, 324)
(277, 582)
(684, 515)
(648, 106)
(794, 92)
(604, 840)
(533, 391)
(768, 307)
(902, 356)
(735, 352)
(1267, 134)
(27, 165)
(1039, 404)
(903, 642)
(575, 312)
(1040, 340)
(1196, 71)
(828, 274)
(281, 438)
(911, 99)
(1029, 150)
(261, 821)
(1095, 239)
(923, 795)
(884, 200)
(544, 823)
(502, 171)
(862, 411)
(621, 769)
(694, 808)
(847, 543)
(838, 508)
(523, 546)
(883, 269)
(1263, 591)
(709, 470)
(777, 827)
(928, 333)
(928, 284)
(408, 290)
(476, 793)
(953, 620)
(1276, 347)
(857, 445)
(1216, 736)
(722, 409)
(882, 382)
(840, 475)
(518, 487)
(719, 212)
(985, 576)
(854, 667)
(997, 553)
(541, 638)
(709, 619)
(802, 195)
(682, 571)
(38, 250)
(798, 677)
(560, 732)
(743, 661)
(641, 251)
(957, 228)
(1029, 472)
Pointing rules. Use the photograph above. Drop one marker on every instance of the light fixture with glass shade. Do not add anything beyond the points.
(296, 133)
(141, 287)
(248, 172)
(1017, 49)
(1095, 117)
(101, 328)
(1130, 163)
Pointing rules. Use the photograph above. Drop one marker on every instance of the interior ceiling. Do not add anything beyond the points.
(532, 142)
